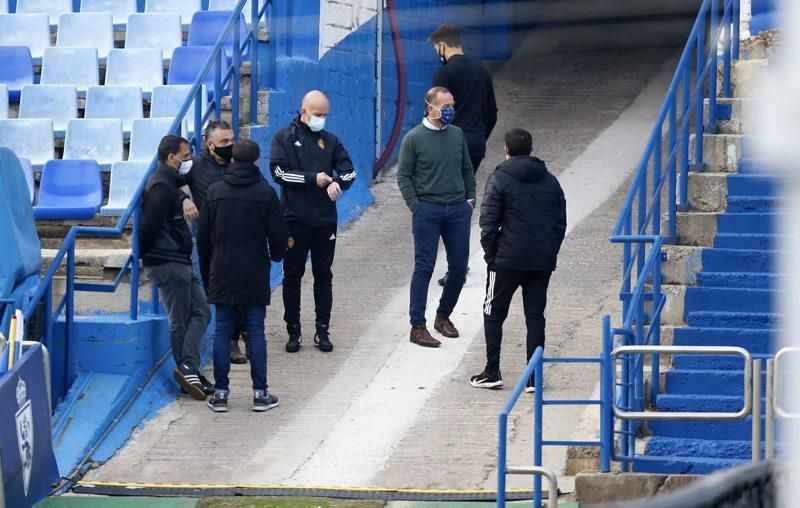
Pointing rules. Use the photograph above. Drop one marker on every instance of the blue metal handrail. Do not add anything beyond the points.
(217, 59)
(638, 227)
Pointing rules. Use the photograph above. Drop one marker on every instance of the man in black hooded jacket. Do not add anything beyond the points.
(523, 222)
(241, 228)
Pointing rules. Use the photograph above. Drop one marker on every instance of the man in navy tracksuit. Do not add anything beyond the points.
(313, 169)
(523, 222)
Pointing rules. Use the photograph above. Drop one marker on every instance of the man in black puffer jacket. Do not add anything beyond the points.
(523, 222)
(241, 228)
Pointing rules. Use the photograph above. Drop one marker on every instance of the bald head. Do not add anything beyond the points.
(315, 105)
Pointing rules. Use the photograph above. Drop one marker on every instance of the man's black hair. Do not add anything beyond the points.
(214, 125)
(519, 142)
(246, 151)
(448, 34)
(170, 145)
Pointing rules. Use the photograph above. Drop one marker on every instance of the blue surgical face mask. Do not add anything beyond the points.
(316, 123)
(446, 114)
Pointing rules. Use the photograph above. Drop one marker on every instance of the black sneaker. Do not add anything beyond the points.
(263, 401)
(208, 386)
(484, 380)
(219, 402)
(295, 339)
(322, 339)
(190, 381)
(236, 354)
(530, 387)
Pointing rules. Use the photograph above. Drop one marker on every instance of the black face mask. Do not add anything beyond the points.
(224, 152)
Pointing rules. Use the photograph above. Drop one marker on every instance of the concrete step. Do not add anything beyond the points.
(683, 465)
(702, 403)
(759, 165)
(707, 192)
(756, 204)
(727, 319)
(739, 280)
(754, 184)
(755, 340)
(740, 115)
(760, 223)
(730, 299)
(683, 263)
(746, 241)
(721, 152)
(706, 448)
(732, 430)
(747, 77)
(262, 103)
(707, 383)
(734, 260)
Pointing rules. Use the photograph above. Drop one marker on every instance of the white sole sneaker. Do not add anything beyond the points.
(218, 409)
(261, 409)
(530, 389)
(487, 384)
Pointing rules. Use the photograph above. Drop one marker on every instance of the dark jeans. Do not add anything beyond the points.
(226, 318)
(321, 242)
(188, 314)
(501, 285)
(429, 223)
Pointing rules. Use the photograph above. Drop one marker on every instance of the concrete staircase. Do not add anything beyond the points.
(722, 290)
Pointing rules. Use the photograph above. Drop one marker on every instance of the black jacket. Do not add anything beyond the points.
(205, 172)
(240, 229)
(523, 216)
(476, 108)
(163, 232)
(296, 156)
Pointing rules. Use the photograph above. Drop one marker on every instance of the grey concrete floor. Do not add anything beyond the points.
(381, 412)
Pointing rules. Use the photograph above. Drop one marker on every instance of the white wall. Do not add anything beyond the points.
(338, 18)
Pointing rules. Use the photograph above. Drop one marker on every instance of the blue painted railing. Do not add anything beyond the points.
(225, 74)
(660, 187)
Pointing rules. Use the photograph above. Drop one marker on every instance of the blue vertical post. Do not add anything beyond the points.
(626, 263)
(606, 394)
(501, 460)
(69, 318)
(272, 48)
(726, 55)
(687, 103)
(672, 173)
(712, 71)
(134, 310)
(235, 95)
(701, 66)
(737, 19)
(537, 425)
(218, 82)
(199, 99)
(254, 27)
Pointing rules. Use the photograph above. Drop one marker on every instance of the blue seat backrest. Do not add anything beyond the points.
(57, 102)
(135, 67)
(29, 137)
(31, 30)
(69, 189)
(17, 69)
(123, 102)
(206, 28)
(99, 139)
(186, 64)
(53, 8)
(167, 101)
(87, 29)
(71, 66)
(154, 31)
(119, 9)
(186, 8)
(125, 179)
(145, 137)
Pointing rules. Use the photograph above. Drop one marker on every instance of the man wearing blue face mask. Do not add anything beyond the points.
(436, 179)
(313, 169)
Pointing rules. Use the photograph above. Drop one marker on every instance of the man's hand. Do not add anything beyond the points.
(323, 180)
(190, 211)
(471, 203)
(334, 191)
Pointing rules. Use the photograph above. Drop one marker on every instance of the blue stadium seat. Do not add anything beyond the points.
(123, 102)
(119, 9)
(154, 31)
(167, 100)
(228, 5)
(28, 137)
(186, 8)
(17, 69)
(87, 30)
(186, 64)
(56, 102)
(125, 179)
(206, 28)
(53, 8)
(69, 189)
(32, 30)
(71, 66)
(3, 101)
(27, 168)
(99, 139)
(135, 67)
(145, 136)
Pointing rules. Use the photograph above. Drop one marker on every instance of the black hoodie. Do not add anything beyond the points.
(523, 216)
(240, 228)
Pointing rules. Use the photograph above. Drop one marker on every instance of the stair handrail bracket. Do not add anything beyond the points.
(224, 73)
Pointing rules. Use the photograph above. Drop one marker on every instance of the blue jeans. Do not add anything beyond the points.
(226, 321)
(429, 223)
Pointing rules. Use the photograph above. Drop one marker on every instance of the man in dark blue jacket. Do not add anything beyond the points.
(523, 222)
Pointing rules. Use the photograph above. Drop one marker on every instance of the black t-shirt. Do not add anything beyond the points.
(476, 109)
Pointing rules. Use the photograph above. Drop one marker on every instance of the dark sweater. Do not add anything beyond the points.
(435, 167)
(164, 235)
(205, 172)
(476, 109)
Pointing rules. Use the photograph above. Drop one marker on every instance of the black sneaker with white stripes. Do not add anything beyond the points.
(219, 402)
(208, 386)
(263, 401)
(189, 381)
(487, 380)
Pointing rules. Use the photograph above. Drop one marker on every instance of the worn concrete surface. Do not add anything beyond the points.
(380, 411)
(594, 487)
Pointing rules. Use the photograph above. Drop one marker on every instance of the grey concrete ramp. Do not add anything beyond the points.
(379, 411)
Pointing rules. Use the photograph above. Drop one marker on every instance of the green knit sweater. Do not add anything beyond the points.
(435, 167)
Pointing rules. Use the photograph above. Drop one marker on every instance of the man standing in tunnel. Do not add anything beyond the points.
(472, 88)
(313, 169)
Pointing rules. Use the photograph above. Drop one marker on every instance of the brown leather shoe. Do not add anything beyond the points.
(421, 337)
(444, 326)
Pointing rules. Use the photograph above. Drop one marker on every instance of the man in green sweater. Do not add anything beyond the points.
(437, 182)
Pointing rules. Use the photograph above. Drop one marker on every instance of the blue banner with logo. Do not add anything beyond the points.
(26, 450)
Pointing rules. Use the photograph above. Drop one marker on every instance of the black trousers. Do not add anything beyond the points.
(501, 285)
(476, 162)
(321, 243)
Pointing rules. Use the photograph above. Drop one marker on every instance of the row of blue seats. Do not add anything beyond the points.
(99, 139)
(73, 189)
(96, 30)
(79, 67)
(121, 9)
(59, 103)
